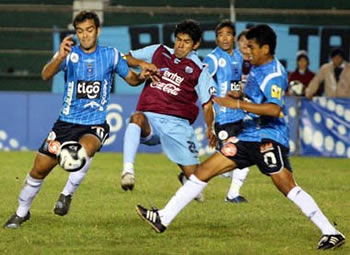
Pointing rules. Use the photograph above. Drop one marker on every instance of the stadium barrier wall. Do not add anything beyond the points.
(317, 128)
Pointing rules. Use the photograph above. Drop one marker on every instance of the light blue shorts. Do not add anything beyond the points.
(176, 136)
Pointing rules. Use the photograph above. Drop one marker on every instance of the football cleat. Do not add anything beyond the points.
(127, 181)
(15, 221)
(62, 205)
(236, 200)
(200, 197)
(151, 217)
(331, 241)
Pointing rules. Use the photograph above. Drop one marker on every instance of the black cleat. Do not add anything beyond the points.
(127, 181)
(15, 221)
(151, 217)
(236, 200)
(62, 205)
(331, 241)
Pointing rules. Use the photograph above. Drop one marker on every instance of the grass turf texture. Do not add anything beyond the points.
(102, 219)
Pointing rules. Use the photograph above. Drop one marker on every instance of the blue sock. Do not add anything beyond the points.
(131, 143)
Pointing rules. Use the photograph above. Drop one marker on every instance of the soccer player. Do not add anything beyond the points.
(263, 142)
(167, 108)
(225, 66)
(89, 69)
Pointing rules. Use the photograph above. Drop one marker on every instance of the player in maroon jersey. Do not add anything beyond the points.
(167, 107)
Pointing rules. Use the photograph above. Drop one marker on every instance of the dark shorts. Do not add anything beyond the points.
(224, 132)
(269, 156)
(64, 131)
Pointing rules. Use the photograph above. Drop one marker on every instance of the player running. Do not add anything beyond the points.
(167, 108)
(89, 69)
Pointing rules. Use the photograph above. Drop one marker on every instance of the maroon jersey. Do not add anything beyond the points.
(175, 93)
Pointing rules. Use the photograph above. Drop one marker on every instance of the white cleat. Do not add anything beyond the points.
(127, 181)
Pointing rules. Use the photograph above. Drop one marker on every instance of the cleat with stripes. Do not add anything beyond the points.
(151, 217)
(331, 241)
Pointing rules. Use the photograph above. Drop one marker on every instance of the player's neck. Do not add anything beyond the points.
(90, 50)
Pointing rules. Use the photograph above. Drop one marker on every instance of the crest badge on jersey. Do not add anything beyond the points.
(188, 69)
(74, 57)
(222, 62)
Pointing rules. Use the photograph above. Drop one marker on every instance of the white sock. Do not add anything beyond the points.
(29, 190)
(238, 178)
(75, 179)
(182, 197)
(309, 207)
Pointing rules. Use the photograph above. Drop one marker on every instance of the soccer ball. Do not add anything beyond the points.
(72, 156)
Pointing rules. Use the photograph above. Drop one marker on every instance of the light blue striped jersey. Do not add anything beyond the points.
(225, 69)
(88, 81)
(266, 84)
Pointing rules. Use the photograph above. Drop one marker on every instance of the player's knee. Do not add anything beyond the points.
(138, 118)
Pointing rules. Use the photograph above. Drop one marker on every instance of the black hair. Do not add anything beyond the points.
(263, 35)
(243, 33)
(85, 15)
(225, 23)
(190, 27)
(337, 52)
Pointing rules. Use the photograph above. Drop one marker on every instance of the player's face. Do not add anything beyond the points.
(87, 34)
(225, 39)
(184, 45)
(259, 55)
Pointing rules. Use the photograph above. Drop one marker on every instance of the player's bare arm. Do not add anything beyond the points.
(268, 109)
(135, 79)
(51, 68)
(152, 68)
(208, 113)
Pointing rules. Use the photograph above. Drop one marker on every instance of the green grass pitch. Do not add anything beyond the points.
(102, 219)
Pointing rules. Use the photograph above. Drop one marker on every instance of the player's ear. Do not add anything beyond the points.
(266, 49)
(98, 31)
(196, 45)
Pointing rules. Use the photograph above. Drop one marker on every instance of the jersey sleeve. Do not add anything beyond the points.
(145, 53)
(212, 63)
(206, 87)
(120, 64)
(273, 90)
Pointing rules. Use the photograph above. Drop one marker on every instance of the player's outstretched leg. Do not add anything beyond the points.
(238, 178)
(151, 217)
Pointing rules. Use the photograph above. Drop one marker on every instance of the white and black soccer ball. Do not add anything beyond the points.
(72, 156)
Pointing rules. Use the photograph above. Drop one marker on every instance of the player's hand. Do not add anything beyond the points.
(152, 69)
(66, 46)
(211, 138)
(227, 102)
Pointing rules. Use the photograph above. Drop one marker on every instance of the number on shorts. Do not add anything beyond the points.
(270, 158)
(192, 147)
